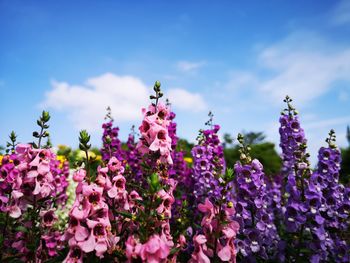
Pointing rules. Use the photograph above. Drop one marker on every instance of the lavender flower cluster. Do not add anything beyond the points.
(313, 212)
(208, 164)
(258, 237)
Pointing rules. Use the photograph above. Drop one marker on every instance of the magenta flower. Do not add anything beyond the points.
(208, 209)
(93, 193)
(118, 186)
(154, 133)
(227, 252)
(133, 248)
(165, 206)
(79, 232)
(75, 255)
(201, 252)
(79, 175)
(115, 165)
(14, 211)
(102, 178)
(98, 237)
(48, 218)
(155, 250)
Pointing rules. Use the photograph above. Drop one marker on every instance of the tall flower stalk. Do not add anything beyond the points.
(208, 163)
(258, 238)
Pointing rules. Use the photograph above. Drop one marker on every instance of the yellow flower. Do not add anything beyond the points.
(62, 159)
(1, 159)
(81, 155)
(92, 155)
(188, 160)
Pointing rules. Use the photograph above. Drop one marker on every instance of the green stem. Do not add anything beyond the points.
(87, 166)
(40, 137)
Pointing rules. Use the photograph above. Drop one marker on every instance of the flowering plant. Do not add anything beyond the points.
(145, 202)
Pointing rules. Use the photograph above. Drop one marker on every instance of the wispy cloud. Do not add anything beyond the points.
(328, 123)
(185, 100)
(341, 13)
(85, 105)
(301, 66)
(188, 66)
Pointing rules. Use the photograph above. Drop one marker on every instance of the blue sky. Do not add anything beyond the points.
(236, 58)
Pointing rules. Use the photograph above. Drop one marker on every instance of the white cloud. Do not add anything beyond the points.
(182, 99)
(341, 13)
(188, 66)
(85, 105)
(302, 66)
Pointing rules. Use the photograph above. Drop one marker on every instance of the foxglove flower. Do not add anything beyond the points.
(208, 165)
(154, 133)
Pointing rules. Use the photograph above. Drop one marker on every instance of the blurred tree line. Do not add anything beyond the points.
(345, 165)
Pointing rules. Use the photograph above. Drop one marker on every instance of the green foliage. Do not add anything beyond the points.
(84, 139)
(184, 145)
(345, 166)
(11, 145)
(64, 150)
(42, 123)
(258, 149)
(344, 175)
(251, 138)
(154, 183)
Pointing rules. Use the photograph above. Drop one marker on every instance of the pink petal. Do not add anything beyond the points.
(153, 244)
(37, 188)
(15, 211)
(101, 248)
(202, 258)
(36, 161)
(44, 168)
(78, 213)
(225, 253)
(81, 233)
(229, 232)
(32, 174)
(200, 239)
(16, 194)
(112, 193)
(88, 245)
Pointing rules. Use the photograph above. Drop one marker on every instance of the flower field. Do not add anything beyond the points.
(145, 201)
